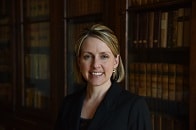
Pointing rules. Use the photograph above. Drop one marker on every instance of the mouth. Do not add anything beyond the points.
(96, 73)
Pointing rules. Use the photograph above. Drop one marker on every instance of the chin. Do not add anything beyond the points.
(95, 83)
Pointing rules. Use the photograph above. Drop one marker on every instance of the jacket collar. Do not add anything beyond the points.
(106, 106)
(103, 110)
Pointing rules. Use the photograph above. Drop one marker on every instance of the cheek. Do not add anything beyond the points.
(109, 67)
(83, 70)
(83, 66)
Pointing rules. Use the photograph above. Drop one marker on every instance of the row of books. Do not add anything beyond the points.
(37, 66)
(166, 107)
(38, 35)
(145, 2)
(4, 34)
(37, 8)
(162, 29)
(5, 79)
(141, 2)
(35, 98)
(159, 80)
(163, 122)
(83, 7)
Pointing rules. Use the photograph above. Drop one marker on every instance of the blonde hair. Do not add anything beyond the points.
(106, 35)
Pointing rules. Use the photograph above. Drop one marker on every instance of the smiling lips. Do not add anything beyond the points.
(96, 73)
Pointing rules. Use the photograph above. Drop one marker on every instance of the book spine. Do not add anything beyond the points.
(174, 28)
(187, 27)
(151, 29)
(170, 28)
(44, 34)
(135, 31)
(159, 80)
(180, 25)
(145, 30)
(154, 79)
(132, 78)
(137, 77)
(148, 80)
(164, 27)
(165, 81)
(172, 79)
(179, 82)
(140, 33)
(157, 19)
(142, 79)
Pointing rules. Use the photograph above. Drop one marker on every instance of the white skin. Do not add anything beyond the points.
(96, 64)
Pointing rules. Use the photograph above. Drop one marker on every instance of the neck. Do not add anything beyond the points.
(97, 92)
(94, 96)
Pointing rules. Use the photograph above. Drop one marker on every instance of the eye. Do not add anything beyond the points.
(104, 56)
(87, 56)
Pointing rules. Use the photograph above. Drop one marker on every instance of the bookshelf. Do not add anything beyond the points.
(7, 49)
(35, 54)
(159, 42)
(5, 67)
(31, 63)
(193, 70)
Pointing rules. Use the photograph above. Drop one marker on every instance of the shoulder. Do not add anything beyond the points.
(137, 111)
(132, 101)
(125, 94)
(71, 101)
(74, 96)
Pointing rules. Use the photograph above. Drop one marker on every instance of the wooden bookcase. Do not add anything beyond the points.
(34, 57)
(159, 66)
(7, 48)
(193, 69)
(35, 48)
(40, 54)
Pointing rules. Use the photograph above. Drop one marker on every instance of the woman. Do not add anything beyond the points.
(103, 104)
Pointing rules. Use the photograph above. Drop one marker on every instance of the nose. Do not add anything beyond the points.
(96, 63)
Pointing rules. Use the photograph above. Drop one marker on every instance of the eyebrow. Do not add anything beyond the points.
(107, 52)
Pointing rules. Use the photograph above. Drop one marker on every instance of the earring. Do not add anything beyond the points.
(114, 70)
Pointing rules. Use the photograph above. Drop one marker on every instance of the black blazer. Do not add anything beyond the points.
(119, 110)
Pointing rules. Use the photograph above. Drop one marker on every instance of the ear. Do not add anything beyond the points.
(116, 62)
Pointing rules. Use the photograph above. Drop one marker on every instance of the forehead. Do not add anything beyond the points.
(93, 44)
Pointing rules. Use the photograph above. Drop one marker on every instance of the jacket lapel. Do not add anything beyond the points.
(105, 108)
(76, 112)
